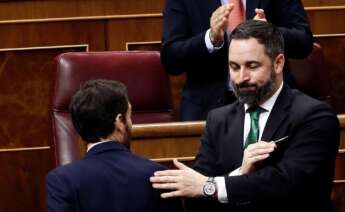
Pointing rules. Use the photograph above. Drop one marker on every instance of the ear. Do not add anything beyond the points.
(279, 63)
(119, 124)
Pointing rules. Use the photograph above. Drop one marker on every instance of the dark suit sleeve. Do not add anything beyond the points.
(59, 194)
(181, 49)
(206, 159)
(170, 205)
(206, 164)
(290, 17)
(304, 169)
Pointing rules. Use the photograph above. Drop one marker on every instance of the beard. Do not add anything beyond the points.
(127, 136)
(253, 94)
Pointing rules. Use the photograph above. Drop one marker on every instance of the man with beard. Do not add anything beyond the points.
(194, 42)
(109, 177)
(272, 150)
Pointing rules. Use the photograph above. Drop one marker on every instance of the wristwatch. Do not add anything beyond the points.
(210, 188)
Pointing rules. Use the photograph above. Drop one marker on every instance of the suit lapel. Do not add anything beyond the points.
(250, 8)
(234, 138)
(278, 114)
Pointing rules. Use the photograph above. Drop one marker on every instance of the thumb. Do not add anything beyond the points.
(229, 7)
(260, 13)
(180, 165)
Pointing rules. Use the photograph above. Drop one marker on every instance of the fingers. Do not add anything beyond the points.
(171, 172)
(259, 150)
(260, 15)
(219, 22)
(220, 16)
(254, 153)
(180, 165)
(261, 145)
(260, 12)
(223, 10)
(170, 186)
(257, 158)
(164, 179)
(188, 182)
(177, 193)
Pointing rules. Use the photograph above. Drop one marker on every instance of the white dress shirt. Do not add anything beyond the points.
(208, 42)
(267, 106)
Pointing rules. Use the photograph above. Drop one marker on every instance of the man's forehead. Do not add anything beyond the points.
(246, 48)
(245, 44)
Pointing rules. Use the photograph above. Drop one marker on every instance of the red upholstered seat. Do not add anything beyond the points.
(147, 83)
(311, 74)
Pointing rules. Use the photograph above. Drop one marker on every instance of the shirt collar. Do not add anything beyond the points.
(269, 103)
(91, 145)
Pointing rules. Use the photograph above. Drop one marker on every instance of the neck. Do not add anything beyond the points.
(115, 136)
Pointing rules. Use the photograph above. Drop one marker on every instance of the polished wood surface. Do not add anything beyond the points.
(338, 196)
(41, 9)
(25, 154)
(22, 179)
(53, 34)
(342, 131)
(25, 103)
(122, 31)
(167, 140)
(172, 129)
(327, 21)
(334, 51)
(321, 3)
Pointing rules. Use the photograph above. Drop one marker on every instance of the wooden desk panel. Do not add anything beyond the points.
(24, 105)
(22, 179)
(318, 3)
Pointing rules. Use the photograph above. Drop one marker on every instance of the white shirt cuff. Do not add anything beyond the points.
(221, 190)
(209, 44)
(236, 172)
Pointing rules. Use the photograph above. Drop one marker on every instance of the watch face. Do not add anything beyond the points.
(209, 189)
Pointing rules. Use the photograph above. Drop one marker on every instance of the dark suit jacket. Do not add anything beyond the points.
(109, 178)
(184, 49)
(298, 176)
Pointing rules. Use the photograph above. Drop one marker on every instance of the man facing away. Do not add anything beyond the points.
(273, 149)
(109, 177)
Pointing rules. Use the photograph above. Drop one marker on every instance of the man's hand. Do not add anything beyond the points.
(260, 15)
(183, 182)
(219, 23)
(254, 153)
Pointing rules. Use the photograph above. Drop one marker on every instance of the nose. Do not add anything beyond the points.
(244, 75)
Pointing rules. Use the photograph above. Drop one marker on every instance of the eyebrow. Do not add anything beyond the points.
(247, 62)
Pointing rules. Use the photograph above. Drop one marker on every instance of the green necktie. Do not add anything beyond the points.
(253, 135)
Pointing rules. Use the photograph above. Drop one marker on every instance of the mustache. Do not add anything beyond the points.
(245, 85)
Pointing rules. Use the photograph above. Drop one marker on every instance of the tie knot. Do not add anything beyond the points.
(254, 112)
(252, 109)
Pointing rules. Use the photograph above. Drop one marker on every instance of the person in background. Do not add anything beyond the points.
(195, 42)
(109, 178)
(273, 149)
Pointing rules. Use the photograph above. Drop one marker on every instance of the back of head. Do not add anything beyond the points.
(95, 106)
(264, 32)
